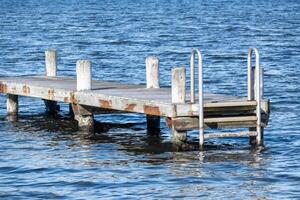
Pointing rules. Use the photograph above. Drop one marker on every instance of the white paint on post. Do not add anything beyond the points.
(84, 75)
(178, 96)
(178, 85)
(51, 62)
(84, 82)
(152, 79)
(152, 72)
(51, 71)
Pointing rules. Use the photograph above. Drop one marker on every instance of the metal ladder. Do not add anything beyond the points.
(255, 88)
(255, 92)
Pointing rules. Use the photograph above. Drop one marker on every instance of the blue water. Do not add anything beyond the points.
(42, 157)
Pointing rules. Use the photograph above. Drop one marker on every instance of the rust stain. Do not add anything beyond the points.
(190, 112)
(71, 98)
(105, 103)
(180, 123)
(26, 89)
(3, 88)
(51, 94)
(130, 107)
(75, 108)
(152, 110)
(169, 121)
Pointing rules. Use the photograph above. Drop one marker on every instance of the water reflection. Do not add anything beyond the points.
(133, 138)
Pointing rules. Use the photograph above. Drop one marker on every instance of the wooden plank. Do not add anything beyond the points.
(189, 123)
(90, 98)
(124, 104)
(230, 119)
(230, 134)
(192, 109)
(64, 82)
(126, 90)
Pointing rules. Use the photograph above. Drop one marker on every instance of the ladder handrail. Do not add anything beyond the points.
(250, 75)
(257, 90)
(192, 71)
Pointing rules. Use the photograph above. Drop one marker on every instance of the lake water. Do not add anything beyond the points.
(44, 157)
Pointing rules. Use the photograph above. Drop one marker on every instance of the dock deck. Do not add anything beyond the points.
(115, 96)
(182, 114)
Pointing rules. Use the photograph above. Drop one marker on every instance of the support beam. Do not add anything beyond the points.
(83, 115)
(51, 71)
(152, 79)
(12, 106)
(178, 96)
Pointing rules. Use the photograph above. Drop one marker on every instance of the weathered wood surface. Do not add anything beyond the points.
(189, 123)
(178, 96)
(51, 71)
(152, 80)
(116, 96)
(12, 104)
(230, 134)
(50, 62)
(83, 114)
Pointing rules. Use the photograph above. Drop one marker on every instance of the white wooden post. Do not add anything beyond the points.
(178, 96)
(152, 79)
(178, 85)
(84, 82)
(51, 71)
(84, 75)
(12, 107)
(51, 62)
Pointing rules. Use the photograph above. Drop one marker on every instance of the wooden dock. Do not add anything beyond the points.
(181, 109)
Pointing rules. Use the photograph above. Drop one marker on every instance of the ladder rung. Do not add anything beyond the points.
(229, 119)
(230, 134)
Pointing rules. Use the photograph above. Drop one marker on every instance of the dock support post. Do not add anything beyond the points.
(84, 82)
(12, 106)
(152, 79)
(178, 96)
(51, 70)
(84, 117)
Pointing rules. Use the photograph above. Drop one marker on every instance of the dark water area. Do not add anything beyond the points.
(43, 157)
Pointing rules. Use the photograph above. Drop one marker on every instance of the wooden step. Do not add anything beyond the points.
(189, 123)
(230, 119)
(230, 134)
(229, 107)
